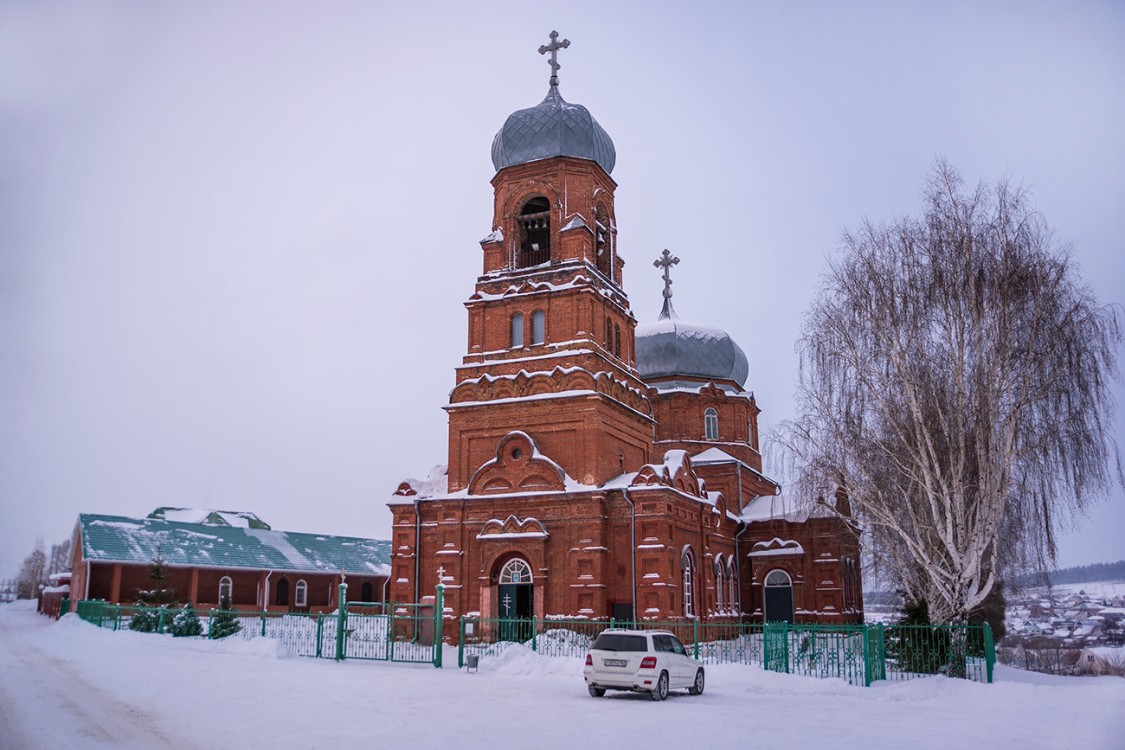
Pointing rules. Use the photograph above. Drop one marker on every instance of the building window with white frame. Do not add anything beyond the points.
(301, 594)
(732, 584)
(719, 583)
(538, 327)
(517, 330)
(711, 424)
(687, 562)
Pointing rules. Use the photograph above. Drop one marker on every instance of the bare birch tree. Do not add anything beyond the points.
(956, 377)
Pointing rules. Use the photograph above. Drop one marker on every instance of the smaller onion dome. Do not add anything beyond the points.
(554, 127)
(672, 348)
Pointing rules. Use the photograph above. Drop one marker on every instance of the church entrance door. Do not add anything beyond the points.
(515, 601)
(779, 597)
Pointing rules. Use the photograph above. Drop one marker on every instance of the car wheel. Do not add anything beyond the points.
(595, 692)
(660, 692)
(697, 686)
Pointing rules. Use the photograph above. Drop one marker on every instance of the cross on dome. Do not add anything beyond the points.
(554, 48)
(666, 261)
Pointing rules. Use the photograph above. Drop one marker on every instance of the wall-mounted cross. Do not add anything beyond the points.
(441, 574)
(554, 48)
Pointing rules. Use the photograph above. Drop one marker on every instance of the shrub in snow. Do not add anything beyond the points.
(186, 623)
(225, 621)
(144, 620)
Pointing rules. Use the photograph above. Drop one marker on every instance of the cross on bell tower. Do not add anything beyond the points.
(554, 48)
(666, 261)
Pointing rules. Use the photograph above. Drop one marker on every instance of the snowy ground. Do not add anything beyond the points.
(71, 685)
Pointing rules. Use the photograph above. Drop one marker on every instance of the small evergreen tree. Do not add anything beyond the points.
(225, 621)
(145, 619)
(159, 593)
(915, 643)
(186, 623)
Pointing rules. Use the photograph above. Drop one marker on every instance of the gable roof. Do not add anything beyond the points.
(140, 540)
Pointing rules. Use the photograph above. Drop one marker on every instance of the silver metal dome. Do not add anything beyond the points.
(553, 127)
(671, 347)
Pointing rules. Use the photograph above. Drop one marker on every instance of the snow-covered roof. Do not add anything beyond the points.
(237, 518)
(780, 507)
(141, 540)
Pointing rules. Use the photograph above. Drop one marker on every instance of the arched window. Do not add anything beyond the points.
(602, 249)
(732, 584)
(719, 582)
(538, 327)
(281, 598)
(226, 589)
(301, 594)
(711, 424)
(367, 592)
(535, 233)
(608, 335)
(517, 330)
(515, 570)
(617, 341)
(687, 563)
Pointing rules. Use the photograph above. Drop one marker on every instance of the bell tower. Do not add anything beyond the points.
(550, 349)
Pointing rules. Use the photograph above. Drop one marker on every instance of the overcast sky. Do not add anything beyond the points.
(235, 238)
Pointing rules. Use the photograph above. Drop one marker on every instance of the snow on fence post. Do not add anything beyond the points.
(439, 624)
(341, 620)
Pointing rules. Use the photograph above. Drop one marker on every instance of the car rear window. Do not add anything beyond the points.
(618, 642)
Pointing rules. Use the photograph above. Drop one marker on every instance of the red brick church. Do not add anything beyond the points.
(597, 468)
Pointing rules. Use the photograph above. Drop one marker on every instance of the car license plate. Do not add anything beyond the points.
(615, 662)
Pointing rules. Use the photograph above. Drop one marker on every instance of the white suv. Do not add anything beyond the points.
(652, 661)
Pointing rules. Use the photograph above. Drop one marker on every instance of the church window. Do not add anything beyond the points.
(538, 327)
(711, 424)
(617, 341)
(301, 595)
(687, 563)
(608, 335)
(517, 330)
(602, 249)
(515, 571)
(226, 589)
(732, 584)
(535, 233)
(719, 583)
(282, 597)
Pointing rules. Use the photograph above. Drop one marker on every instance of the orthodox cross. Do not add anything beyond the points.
(666, 261)
(554, 48)
(441, 574)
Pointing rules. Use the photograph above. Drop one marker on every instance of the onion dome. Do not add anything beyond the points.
(671, 348)
(554, 127)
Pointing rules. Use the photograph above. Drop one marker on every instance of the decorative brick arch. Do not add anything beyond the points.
(518, 467)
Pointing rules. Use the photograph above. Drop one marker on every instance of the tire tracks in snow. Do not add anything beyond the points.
(46, 702)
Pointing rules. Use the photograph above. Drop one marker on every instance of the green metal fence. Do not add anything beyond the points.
(383, 631)
(857, 654)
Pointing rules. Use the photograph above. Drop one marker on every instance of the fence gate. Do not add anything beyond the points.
(390, 632)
